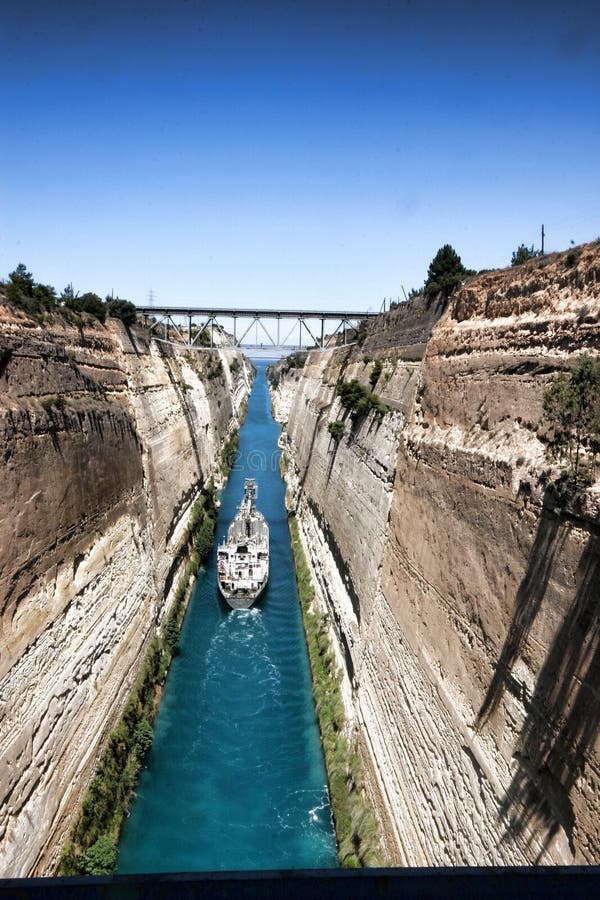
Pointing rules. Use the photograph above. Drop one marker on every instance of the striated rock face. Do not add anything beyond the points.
(465, 608)
(106, 441)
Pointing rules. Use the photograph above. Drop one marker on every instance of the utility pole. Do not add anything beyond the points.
(151, 297)
(543, 235)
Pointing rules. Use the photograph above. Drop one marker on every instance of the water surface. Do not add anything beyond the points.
(235, 778)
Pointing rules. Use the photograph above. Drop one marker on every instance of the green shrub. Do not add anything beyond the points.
(172, 632)
(359, 400)
(375, 373)
(45, 295)
(53, 402)
(229, 451)
(122, 309)
(234, 366)
(336, 429)
(572, 409)
(355, 825)
(204, 538)
(23, 292)
(522, 254)
(100, 858)
(215, 370)
(142, 738)
(89, 303)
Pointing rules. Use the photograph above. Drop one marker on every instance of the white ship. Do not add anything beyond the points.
(243, 557)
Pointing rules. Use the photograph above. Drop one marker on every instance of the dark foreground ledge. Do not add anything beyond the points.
(338, 884)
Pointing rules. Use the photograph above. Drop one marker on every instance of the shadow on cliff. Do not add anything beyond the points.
(563, 716)
(310, 454)
(563, 713)
(184, 408)
(549, 540)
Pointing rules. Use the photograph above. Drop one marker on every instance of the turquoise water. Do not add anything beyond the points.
(235, 778)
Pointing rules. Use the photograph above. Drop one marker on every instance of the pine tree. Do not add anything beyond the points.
(445, 273)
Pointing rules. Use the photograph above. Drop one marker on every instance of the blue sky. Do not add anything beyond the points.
(291, 153)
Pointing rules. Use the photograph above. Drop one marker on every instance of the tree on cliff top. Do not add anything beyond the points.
(88, 303)
(572, 407)
(22, 280)
(122, 309)
(445, 273)
(523, 253)
(23, 291)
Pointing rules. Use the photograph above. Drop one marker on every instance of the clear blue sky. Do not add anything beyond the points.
(291, 152)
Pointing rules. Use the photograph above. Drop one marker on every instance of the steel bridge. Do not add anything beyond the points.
(200, 327)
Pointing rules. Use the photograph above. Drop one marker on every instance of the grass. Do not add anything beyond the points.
(355, 826)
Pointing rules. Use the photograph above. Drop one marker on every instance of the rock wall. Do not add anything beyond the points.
(464, 607)
(106, 441)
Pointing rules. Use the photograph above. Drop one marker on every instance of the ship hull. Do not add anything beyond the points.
(243, 557)
(239, 601)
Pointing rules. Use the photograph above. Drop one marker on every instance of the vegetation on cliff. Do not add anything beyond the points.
(524, 253)
(27, 294)
(359, 400)
(572, 408)
(375, 373)
(355, 826)
(91, 849)
(229, 450)
(39, 299)
(445, 273)
(336, 429)
(279, 369)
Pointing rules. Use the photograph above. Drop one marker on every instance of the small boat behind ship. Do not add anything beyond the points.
(243, 557)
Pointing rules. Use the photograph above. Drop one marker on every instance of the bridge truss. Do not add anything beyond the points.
(190, 324)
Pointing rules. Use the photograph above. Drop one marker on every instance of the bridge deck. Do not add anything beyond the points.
(239, 312)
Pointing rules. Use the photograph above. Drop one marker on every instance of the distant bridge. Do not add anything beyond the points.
(190, 323)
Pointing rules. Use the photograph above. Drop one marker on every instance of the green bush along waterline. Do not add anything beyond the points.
(92, 846)
(355, 826)
(229, 450)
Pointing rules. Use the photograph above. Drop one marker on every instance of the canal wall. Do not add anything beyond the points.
(463, 603)
(106, 442)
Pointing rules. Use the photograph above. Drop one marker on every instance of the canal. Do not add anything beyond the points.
(235, 779)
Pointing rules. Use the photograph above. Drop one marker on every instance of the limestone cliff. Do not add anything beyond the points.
(465, 609)
(106, 441)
